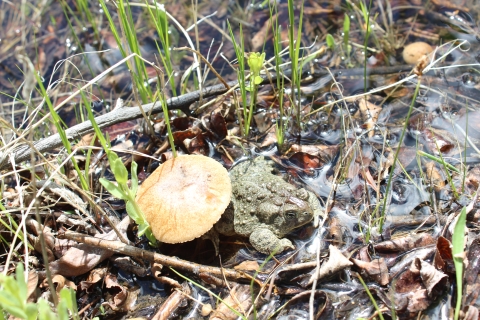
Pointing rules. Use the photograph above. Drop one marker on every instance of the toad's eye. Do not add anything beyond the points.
(290, 215)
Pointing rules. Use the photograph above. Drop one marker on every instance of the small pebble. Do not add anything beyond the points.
(414, 51)
(206, 310)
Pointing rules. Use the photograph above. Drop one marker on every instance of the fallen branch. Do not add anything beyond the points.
(119, 247)
(22, 152)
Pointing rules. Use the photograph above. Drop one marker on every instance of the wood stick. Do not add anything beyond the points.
(179, 264)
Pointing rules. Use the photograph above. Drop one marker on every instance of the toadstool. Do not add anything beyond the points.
(414, 51)
(184, 197)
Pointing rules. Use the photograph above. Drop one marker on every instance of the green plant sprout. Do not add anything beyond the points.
(294, 53)
(123, 192)
(458, 243)
(346, 35)
(255, 62)
(330, 42)
(280, 124)
(14, 296)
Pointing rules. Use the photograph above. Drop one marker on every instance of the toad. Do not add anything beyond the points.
(265, 207)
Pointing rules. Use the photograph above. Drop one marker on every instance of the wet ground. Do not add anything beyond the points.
(389, 145)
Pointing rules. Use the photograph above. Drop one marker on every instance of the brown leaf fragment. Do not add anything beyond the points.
(247, 266)
(472, 281)
(336, 262)
(370, 114)
(409, 294)
(406, 243)
(218, 125)
(406, 260)
(305, 161)
(83, 258)
(435, 176)
(179, 136)
(239, 299)
(174, 301)
(59, 282)
(32, 282)
(119, 295)
(434, 280)
(375, 269)
(197, 145)
(94, 277)
(472, 313)
(443, 256)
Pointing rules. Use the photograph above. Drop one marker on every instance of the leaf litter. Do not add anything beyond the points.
(392, 166)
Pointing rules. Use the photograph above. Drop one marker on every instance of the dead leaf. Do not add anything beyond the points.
(375, 269)
(32, 283)
(83, 258)
(94, 277)
(336, 262)
(239, 299)
(406, 243)
(119, 295)
(434, 280)
(247, 266)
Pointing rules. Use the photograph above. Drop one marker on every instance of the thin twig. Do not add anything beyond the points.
(119, 247)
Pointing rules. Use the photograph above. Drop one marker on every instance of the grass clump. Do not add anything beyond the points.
(14, 297)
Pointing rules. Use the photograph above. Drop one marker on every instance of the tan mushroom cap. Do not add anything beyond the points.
(184, 197)
(416, 50)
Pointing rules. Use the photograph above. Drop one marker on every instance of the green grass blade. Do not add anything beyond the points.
(458, 242)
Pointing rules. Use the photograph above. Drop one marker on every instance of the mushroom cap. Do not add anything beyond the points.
(414, 51)
(184, 197)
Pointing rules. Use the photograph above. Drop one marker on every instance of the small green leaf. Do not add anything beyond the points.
(330, 41)
(132, 212)
(113, 189)
(120, 172)
(258, 80)
(112, 156)
(134, 178)
(346, 24)
(22, 290)
(458, 246)
(44, 312)
(151, 237)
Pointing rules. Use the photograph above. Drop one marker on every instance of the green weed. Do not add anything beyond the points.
(458, 242)
(14, 295)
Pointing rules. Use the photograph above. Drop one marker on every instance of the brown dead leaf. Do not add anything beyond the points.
(239, 299)
(179, 136)
(472, 313)
(305, 161)
(218, 125)
(405, 243)
(83, 258)
(435, 176)
(119, 295)
(197, 145)
(32, 283)
(409, 294)
(370, 114)
(60, 282)
(336, 262)
(434, 280)
(472, 281)
(375, 269)
(247, 266)
(169, 306)
(94, 277)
